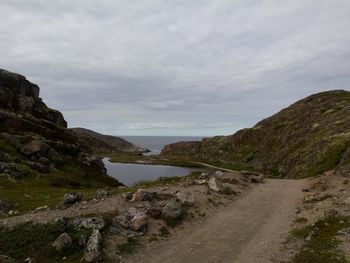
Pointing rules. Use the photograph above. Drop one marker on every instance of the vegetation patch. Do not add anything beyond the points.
(320, 242)
(35, 241)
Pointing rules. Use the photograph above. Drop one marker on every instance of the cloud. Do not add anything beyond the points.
(176, 67)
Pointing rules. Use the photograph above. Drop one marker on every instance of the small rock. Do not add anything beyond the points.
(93, 223)
(345, 231)
(203, 176)
(142, 195)
(257, 179)
(102, 193)
(71, 198)
(172, 209)
(185, 197)
(62, 242)
(219, 173)
(93, 248)
(127, 195)
(200, 182)
(305, 190)
(62, 220)
(41, 208)
(215, 185)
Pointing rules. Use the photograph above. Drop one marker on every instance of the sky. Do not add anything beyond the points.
(175, 67)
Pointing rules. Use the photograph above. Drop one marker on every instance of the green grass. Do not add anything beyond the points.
(38, 190)
(331, 158)
(322, 246)
(35, 241)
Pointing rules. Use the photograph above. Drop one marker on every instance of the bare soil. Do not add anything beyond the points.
(250, 230)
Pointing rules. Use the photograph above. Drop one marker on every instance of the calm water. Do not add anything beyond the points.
(156, 143)
(130, 174)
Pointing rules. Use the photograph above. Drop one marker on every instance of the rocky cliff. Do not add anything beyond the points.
(34, 139)
(101, 143)
(305, 139)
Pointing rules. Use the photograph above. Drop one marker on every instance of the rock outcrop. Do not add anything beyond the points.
(305, 139)
(106, 143)
(34, 138)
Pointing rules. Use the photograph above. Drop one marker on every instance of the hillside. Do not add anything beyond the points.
(305, 139)
(39, 156)
(106, 143)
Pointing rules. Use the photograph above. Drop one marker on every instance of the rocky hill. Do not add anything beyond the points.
(35, 145)
(305, 139)
(101, 143)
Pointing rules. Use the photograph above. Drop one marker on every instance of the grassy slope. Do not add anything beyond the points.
(305, 139)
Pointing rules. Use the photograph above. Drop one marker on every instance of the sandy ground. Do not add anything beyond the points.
(250, 230)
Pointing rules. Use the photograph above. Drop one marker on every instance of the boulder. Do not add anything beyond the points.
(173, 209)
(93, 223)
(142, 195)
(93, 248)
(71, 198)
(215, 185)
(138, 221)
(185, 197)
(64, 241)
(256, 178)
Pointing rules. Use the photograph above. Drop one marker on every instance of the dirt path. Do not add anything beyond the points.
(251, 230)
(215, 167)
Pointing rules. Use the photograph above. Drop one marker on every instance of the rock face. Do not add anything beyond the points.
(106, 143)
(34, 138)
(305, 139)
(17, 94)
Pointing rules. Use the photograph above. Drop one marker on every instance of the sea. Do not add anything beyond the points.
(156, 143)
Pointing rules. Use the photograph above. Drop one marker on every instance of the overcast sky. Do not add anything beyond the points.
(175, 67)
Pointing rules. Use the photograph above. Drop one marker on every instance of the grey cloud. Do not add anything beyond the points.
(176, 67)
